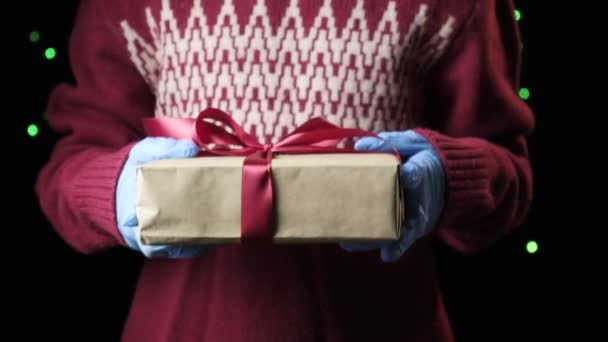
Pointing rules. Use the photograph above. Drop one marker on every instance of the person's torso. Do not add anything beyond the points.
(272, 65)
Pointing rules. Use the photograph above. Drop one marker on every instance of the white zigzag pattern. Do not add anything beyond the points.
(273, 82)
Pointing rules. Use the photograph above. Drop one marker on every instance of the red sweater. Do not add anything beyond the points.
(449, 69)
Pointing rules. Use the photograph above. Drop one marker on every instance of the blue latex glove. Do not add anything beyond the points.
(424, 185)
(149, 149)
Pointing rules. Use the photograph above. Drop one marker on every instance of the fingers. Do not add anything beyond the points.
(154, 251)
(125, 206)
(372, 144)
(150, 148)
(411, 175)
(406, 143)
(394, 251)
(130, 221)
(174, 252)
(128, 229)
(181, 149)
(416, 167)
(154, 148)
(181, 252)
(412, 229)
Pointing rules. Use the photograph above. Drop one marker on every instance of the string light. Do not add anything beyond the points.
(50, 53)
(34, 36)
(524, 94)
(531, 247)
(32, 130)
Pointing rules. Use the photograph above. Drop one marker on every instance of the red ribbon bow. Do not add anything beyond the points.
(314, 136)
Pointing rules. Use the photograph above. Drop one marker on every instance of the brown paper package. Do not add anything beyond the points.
(317, 198)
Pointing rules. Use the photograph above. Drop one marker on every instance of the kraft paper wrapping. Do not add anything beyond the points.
(317, 198)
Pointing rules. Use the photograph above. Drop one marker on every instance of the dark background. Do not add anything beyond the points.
(504, 293)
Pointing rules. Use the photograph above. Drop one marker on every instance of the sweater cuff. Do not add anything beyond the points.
(467, 164)
(95, 191)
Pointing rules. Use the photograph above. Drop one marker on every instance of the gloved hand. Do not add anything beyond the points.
(424, 185)
(149, 149)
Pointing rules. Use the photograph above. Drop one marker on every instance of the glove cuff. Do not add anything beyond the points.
(95, 190)
(467, 166)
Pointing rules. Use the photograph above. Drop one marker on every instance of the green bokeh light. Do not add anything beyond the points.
(524, 93)
(32, 130)
(532, 247)
(517, 15)
(50, 53)
(34, 36)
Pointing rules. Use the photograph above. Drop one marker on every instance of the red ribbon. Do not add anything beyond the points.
(314, 136)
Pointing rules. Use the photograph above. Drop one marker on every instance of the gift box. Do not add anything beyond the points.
(300, 189)
(316, 198)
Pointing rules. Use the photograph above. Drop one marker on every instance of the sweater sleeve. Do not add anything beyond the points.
(479, 126)
(98, 119)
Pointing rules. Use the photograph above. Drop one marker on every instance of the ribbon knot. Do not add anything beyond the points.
(209, 131)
